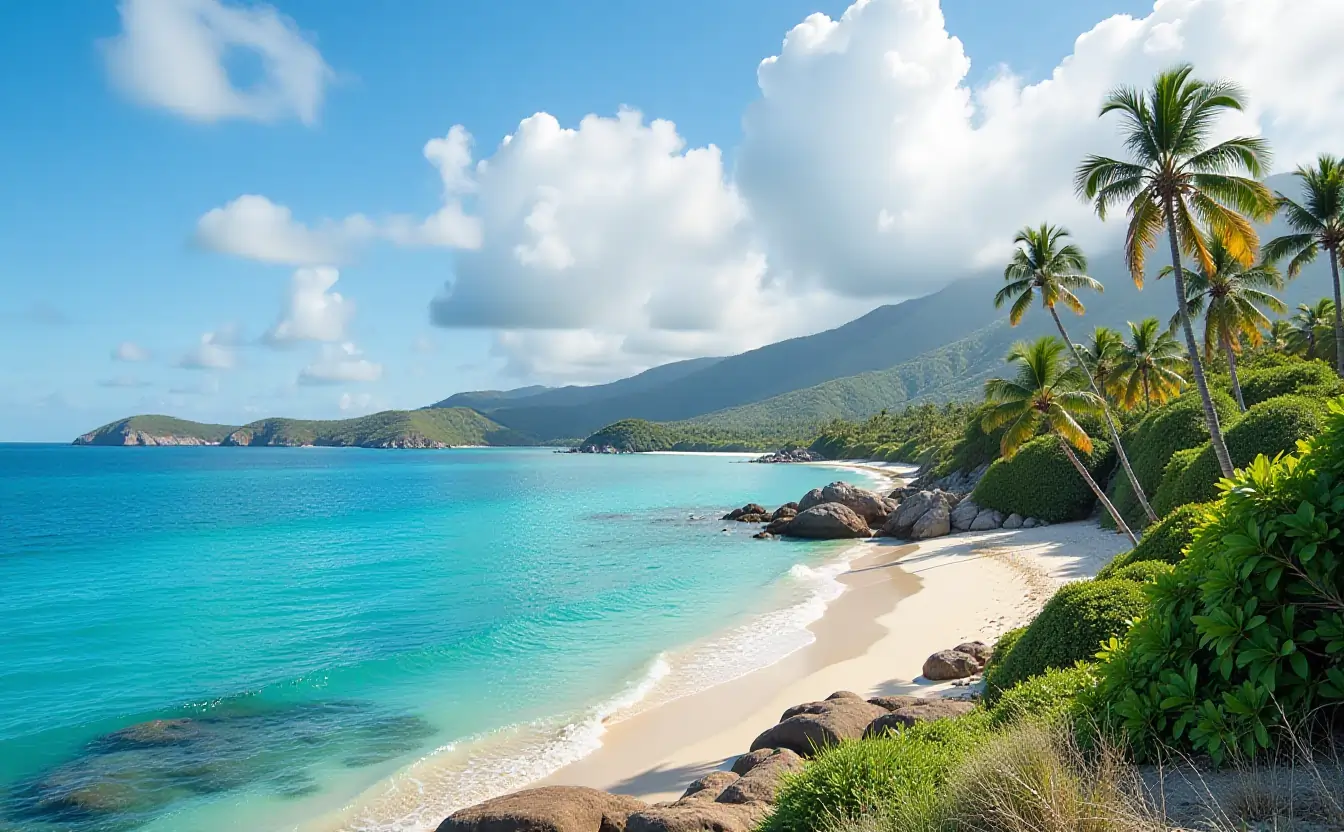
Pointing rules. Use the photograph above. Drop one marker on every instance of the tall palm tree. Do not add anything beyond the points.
(1319, 225)
(1176, 180)
(1043, 262)
(1046, 394)
(1310, 322)
(1230, 298)
(1101, 355)
(1150, 364)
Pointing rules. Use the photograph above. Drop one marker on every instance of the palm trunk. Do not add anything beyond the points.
(1120, 524)
(1339, 313)
(1196, 366)
(1232, 370)
(1147, 396)
(1110, 423)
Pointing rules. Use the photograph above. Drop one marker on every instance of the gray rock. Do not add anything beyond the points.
(751, 759)
(1013, 521)
(806, 733)
(873, 508)
(949, 664)
(828, 521)
(699, 816)
(754, 509)
(843, 694)
(964, 515)
(1030, 523)
(933, 523)
(987, 519)
(547, 809)
(894, 703)
(925, 710)
(902, 521)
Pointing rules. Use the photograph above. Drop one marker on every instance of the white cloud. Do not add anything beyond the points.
(339, 365)
(129, 351)
(313, 313)
(214, 352)
(173, 54)
(255, 228)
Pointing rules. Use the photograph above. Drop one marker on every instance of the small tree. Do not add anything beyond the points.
(1150, 364)
(1308, 325)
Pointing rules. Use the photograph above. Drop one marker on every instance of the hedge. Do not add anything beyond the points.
(1039, 481)
(1143, 571)
(1165, 542)
(1301, 377)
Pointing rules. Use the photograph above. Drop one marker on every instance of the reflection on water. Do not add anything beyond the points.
(124, 779)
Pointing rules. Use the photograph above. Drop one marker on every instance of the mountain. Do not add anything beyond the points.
(439, 428)
(488, 401)
(484, 400)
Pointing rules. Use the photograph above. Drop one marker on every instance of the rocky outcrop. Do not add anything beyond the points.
(132, 437)
(819, 725)
(828, 521)
(872, 507)
(410, 441)
(759, 782)
(788, 510)
(950, 664)
(933, 523)
(957, 482)
(987, 519)
(547, 809)
(977, 650)
(964, 515)
(753, 509)
(921, 710)
(699, 816)
(710, 786)
(791, 455)
(155, 733)
(912, 509)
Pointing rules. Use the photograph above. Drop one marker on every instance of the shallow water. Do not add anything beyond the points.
(366, 638)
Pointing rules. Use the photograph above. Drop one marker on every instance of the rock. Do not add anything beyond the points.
(926, 710)
(762, 781)
(763, 536)
(933, 523)
(964, 515)
(753, 518)
(749, 508)
(828, 521)
(1030, 523)
(805, 708)
(156, 732)
(987, 519)
(710, 786)
(949, 664)
(751, 759)
(873, 508)
(1014, 521)
(894, 703)
(778, 527)
(793, 455)
(902, 521)
(699, 816)
(786, 510)
(977, 650)
(805, 733)
(843, 694)
(547, 809)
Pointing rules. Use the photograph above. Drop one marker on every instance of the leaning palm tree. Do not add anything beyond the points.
(1231, 299)
(1101, 356)
(1176, 180)
(1150, 365)
(1309, 324)
(1046, 394)
(1318, 223)
(1043, 262)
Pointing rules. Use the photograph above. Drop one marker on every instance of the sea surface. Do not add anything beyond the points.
(330, 638)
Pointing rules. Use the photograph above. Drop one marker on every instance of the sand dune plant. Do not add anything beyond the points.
(1150, 365)
(1044, 263)
(1176, 179)
(1046, 395)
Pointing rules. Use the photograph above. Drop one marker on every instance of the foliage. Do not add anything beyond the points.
(1302, 377)
(1041, 264)
(642, 436)
(902, 769)
(1247, 635)
(1164, 542)
(450, 426)
(974, 448)
(1045, 696)
(1143, 571)
(1231, 297)
(1071, 627)
(1150, 366)
(1039, 481)
(907, 435)
(1271, 427)
(154, 425)
(1312, 334)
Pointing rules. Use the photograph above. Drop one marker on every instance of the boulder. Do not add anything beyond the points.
(749, 508)
(987, 519)
(778, 526)
(699, 816)
(895, 703)
(786, 510)
(1013, 521)
(949, 664)
(762, 781)
(828, 521)
(751, 759)
(926, 710)
(547, 809)
(806, 733)
(753, 518)
(1030, 523)
(933, 523)
(964, 515)
(843, 694)
(902, 521)
(710, 786)
(873, 508)
(763, 535)
(156, 732)
(977, 650)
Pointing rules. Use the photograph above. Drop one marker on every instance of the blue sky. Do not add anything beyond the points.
(105, 185)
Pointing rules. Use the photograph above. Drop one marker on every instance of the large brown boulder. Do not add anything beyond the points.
(749, 508)
(950, 664)
(547, 809)
(827, 724)
(761, 782)
(872, 507)
(779, 525)
(699, 816)
(828, 521)
(895, 703)
(787, 510)
(926, 710)
(977, 650)
(710, 786)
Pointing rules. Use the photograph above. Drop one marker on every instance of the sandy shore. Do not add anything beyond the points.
(902, 603)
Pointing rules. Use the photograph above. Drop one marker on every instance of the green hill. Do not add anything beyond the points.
(156, 430)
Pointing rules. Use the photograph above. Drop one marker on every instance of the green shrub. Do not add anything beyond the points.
(1143, 571)
(1071, 628)
(1263, 383)
(1247, 634)
(1049, 696)
(1270, 428)
(1177, 425)
(1003, 647)
(1039, 481)
(905, 768)
(1165, 542)
(1166, 493)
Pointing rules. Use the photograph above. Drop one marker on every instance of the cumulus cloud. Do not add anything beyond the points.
(312, 313)
(173, 54)
(215, 351)
(340, 364)
(255, 228)
(130, 351)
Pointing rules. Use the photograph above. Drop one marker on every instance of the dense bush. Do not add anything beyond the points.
(1071, 628)
(1166, 493)
(903, 769)
(912, 434)
(1143, 571)
(975, 446)
(1151, 443)
(1039, 481)
(1051, 695)
(1165, 542)
(1271, 427)
(1262, 382)
(1249, 630)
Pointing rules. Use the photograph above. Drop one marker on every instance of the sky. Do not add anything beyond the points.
(225, 210)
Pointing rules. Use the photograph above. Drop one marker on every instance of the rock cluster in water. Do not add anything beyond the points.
(785, 455)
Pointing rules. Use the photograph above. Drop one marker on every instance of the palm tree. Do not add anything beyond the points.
(1230, 297)
(1149, 364)
(1043, 262)
(1176, 180)
(1101, 355)
(1319, 226)
(1280, 336)
(1046, 394)
(1308, 325)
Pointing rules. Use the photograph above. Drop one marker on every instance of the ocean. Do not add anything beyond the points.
(200, 639)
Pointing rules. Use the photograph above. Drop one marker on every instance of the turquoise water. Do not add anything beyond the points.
(361, 639)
